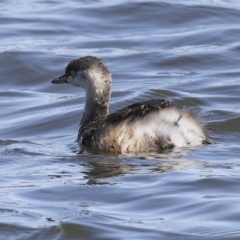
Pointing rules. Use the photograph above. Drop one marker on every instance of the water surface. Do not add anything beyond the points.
(184, 51)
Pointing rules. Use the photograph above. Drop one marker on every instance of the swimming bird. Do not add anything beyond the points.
(153, 125)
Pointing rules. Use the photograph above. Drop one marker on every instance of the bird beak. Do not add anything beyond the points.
(62, 79)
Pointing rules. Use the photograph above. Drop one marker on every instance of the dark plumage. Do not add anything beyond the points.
(85, 63)
(137, 110)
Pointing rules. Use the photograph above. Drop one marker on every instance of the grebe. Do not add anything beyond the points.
(153, 125)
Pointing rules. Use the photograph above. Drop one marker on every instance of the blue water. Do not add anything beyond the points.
(184, 51)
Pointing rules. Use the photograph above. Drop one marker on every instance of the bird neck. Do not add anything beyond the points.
(96, 106)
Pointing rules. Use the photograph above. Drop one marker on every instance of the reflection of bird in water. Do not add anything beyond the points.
(153, 125)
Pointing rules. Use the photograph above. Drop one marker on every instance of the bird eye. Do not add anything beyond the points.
(72, 72)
